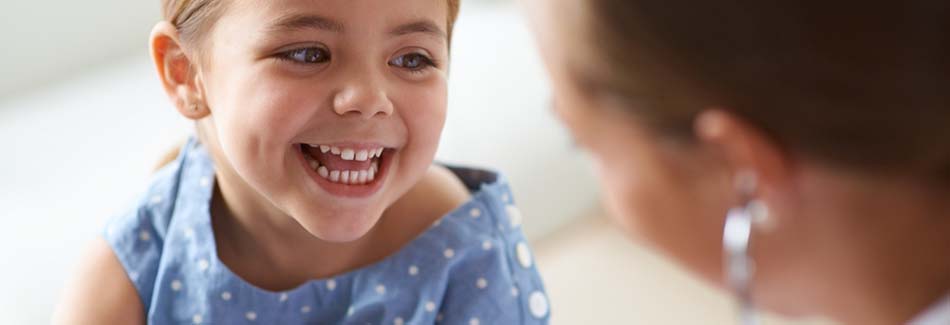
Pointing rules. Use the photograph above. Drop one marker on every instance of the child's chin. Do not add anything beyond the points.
(339, 228)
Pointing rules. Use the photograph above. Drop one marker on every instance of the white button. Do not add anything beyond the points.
(514, 215)
(539, 304)
(524, 255)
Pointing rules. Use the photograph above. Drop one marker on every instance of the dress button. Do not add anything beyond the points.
(539, 304)
(524, 255)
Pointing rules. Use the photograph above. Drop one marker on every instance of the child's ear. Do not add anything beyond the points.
(177, 71)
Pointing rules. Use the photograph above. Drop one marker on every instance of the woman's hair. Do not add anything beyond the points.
(862, 84)
(194, 18)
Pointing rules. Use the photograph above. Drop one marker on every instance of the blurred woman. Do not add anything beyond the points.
(795, 152)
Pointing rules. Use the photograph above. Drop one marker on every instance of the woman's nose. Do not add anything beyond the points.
(364, 98)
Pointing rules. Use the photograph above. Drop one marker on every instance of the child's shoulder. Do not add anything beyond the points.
(488, 266)
(469, 212)
(150, 213)
(435, 195)
(138, 235)
(455, 192)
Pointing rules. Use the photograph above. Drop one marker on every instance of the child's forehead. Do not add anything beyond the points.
(339, 15)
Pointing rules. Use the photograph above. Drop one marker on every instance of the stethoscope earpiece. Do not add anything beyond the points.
(737, 231)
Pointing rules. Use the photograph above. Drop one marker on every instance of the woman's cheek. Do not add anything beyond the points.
(618, 194)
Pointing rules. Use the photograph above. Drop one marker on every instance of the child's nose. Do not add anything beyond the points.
(367, 100)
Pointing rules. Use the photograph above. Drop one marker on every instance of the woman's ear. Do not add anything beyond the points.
(178, 72)
(744, 148)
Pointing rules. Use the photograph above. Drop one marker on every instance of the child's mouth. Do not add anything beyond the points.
(349, 170)
(349, 166)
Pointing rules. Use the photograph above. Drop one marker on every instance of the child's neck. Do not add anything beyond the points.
(272, 251)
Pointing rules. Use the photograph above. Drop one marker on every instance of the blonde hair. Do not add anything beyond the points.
(194, 18)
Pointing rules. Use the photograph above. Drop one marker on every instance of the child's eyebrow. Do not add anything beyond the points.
(422, 26)
(296, 22)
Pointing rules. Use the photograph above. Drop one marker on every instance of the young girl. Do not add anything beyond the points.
(309, 194)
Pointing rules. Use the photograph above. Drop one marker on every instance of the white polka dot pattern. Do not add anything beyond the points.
(524, 255)
(538, 304)
(167, 246)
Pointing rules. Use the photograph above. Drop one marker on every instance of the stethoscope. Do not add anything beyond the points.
(739, 267)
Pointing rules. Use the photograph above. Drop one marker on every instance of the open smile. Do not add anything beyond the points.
(349, 170)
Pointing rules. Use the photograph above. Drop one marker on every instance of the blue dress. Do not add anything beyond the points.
(471, 267)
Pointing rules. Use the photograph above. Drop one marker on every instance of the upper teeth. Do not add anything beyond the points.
(351, 177)
(351, 154)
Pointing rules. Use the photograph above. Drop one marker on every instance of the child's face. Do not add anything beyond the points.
(285, 77)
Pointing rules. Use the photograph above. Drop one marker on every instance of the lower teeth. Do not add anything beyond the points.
(349, 177)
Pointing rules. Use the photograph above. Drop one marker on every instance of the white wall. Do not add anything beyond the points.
(43, 41)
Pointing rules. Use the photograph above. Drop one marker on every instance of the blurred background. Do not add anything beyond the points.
(83, 121)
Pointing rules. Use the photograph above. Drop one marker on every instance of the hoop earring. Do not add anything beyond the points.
(739, 266)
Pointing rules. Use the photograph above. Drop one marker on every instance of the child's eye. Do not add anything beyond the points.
(307, 55)
(412, 61)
